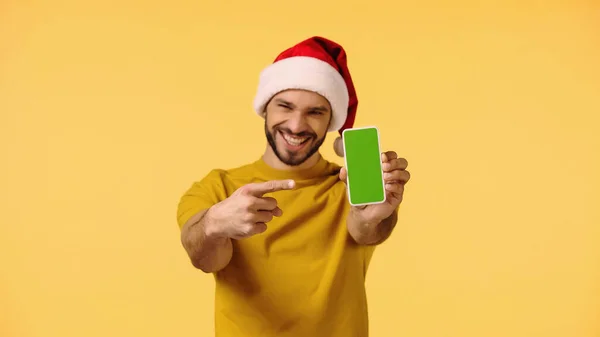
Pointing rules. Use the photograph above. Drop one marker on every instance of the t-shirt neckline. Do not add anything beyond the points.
(307, 173)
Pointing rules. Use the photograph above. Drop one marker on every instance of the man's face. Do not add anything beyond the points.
(296, 124)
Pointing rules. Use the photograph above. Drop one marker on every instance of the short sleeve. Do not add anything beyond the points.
(201, 195)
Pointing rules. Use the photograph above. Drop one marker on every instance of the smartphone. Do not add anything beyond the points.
(362, 154)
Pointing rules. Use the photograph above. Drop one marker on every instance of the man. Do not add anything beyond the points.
(288, 252)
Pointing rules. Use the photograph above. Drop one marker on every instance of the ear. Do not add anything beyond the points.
(338, 146)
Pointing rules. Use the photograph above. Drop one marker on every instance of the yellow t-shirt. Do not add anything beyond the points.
(304, 276)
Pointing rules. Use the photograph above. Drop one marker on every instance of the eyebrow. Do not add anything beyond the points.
(320, 108)
(281, 101)
(291, 105)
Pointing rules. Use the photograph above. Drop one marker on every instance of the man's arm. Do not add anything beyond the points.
(364, 223)
(207, 235)
(365, 233)
(207, 250)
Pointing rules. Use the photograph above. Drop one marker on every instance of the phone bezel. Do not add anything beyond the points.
(380, 166)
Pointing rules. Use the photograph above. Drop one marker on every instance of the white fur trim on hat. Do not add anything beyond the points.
(308, 73)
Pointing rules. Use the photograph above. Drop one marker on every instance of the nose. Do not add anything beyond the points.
(297, 122)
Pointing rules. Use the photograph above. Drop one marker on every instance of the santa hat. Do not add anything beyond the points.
(316, 64)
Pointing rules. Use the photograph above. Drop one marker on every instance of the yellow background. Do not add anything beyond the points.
(109, 110)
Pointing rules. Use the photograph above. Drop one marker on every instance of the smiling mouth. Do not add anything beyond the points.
(294, 140)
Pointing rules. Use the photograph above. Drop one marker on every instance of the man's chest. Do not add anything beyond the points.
(313, 219)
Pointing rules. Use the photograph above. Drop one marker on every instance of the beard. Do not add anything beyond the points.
(292, 158)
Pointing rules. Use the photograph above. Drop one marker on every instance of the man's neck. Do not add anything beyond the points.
(271, 159)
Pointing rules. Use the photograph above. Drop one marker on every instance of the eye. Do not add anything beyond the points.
(316, 112)
(284, 107)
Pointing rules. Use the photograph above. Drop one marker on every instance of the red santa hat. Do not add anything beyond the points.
(316, 64)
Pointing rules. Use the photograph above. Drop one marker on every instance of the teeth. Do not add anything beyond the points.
(294, 141)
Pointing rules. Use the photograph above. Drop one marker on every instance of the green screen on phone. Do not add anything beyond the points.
(363, 164)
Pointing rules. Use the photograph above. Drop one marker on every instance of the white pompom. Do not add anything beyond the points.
(338, 146)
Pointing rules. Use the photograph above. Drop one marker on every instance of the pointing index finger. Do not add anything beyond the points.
(258, 189)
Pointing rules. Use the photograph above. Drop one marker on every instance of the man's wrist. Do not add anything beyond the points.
(360, 228)
(361, 222)
(370, 231)
(211, 227)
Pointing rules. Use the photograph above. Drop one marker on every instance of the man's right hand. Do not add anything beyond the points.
(246, 212)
